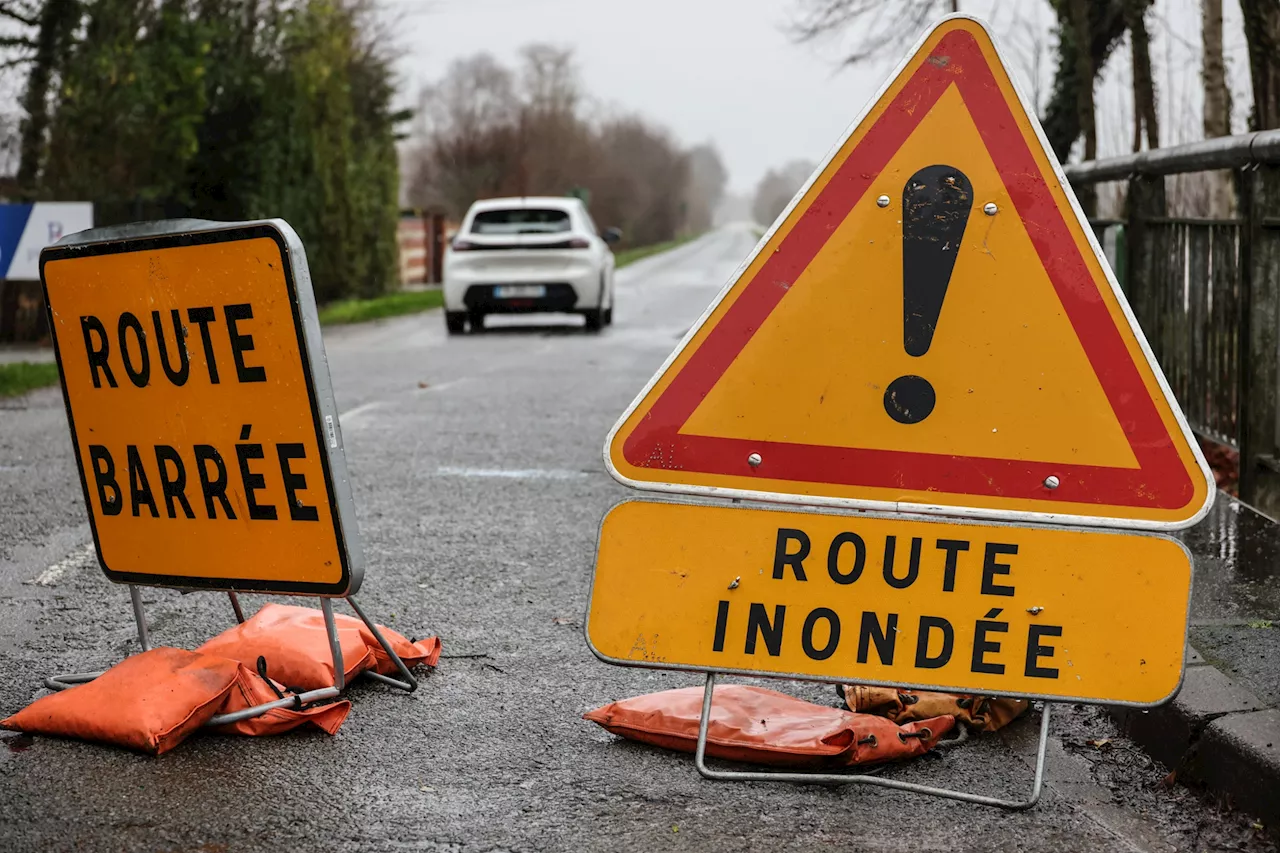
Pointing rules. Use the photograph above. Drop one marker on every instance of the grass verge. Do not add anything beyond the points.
(630, 256)
(23, 376)
(387, 305)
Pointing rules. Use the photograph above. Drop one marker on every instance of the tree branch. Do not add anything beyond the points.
(21, 13)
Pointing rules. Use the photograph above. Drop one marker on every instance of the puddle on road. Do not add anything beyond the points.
(18, 741)
(1237, 564)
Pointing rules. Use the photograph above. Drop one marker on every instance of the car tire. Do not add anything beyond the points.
(593, 316)
(608, 316)
(476, 319)
(455, 322)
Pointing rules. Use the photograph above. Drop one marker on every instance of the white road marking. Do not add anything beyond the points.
(75, 560)
(512, 473)
(359, 410)
(353, 419)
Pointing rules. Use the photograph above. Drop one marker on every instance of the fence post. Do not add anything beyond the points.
(1259, 341)
(1144, 201)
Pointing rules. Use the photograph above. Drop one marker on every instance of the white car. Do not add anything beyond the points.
(522, 255)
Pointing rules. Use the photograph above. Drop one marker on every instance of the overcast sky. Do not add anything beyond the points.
(725, 70)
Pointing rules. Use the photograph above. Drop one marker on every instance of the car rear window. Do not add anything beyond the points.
(522, 220)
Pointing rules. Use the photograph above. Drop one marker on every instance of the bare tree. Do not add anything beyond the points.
(555, 142)
(777, 188)
(1144, 94)
(1217, 100)
(882, 25)
(486, 131)
(1262, 32)
(549, 79)
(1030, 40)
(707, 181)
(466, 136)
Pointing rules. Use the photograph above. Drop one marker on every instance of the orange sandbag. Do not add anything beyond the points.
(765, 727)
(252, 689)
(425, 652)
(149, 702)
(295, 644)
(979, 713)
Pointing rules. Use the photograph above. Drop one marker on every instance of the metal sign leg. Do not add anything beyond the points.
(331, 627)
(298, 701)
(406, 681)
(140, 617)
(853, 779)
(235, 605)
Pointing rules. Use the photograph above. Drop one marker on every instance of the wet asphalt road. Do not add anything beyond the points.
(479, 484)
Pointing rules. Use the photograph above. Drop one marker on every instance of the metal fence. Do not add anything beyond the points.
(1207, 291)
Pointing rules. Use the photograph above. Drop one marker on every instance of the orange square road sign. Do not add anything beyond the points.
(930, 327)
(200, 408)
(1036, 611)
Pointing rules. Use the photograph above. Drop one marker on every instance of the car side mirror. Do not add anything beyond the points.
(612, 235)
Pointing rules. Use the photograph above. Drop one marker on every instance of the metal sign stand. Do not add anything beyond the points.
(406, 681)
(700, 760)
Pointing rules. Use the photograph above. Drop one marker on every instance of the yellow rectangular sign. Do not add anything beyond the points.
(198, 399)
(1013, 611)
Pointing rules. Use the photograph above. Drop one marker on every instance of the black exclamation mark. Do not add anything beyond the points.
(935, 210)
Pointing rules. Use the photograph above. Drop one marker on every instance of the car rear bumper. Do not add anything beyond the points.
(560, 296)
(475, 292)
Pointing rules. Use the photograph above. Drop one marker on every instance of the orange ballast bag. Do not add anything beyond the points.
(149, 702)
(979, 713)
(295, 644)
(761, 726)
(250, 689)
(425, 652)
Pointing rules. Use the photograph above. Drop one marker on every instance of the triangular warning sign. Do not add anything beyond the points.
(929, 327)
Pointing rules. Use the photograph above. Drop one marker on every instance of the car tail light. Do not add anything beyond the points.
(579, 243)
(463, 246)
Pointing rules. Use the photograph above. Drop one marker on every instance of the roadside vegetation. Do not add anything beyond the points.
(630, 256)
(227, 110)
(24, 376)
(379, 307)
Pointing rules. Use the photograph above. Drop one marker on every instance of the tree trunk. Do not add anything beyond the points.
(57, 19)
(1262, 32)
(1084, 73)
(1106, 27)
(1144, 93)
(1217, 102)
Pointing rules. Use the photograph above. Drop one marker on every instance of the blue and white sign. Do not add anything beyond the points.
(25, 229)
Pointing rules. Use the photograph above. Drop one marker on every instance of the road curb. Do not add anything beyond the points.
(1216, 733)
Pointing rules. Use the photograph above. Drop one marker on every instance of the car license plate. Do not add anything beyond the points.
(520, 291)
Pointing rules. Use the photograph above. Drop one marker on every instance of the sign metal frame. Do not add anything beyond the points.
(854, 778)
(1065, 518)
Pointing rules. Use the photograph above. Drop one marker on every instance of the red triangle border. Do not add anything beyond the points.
(1161, 481)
